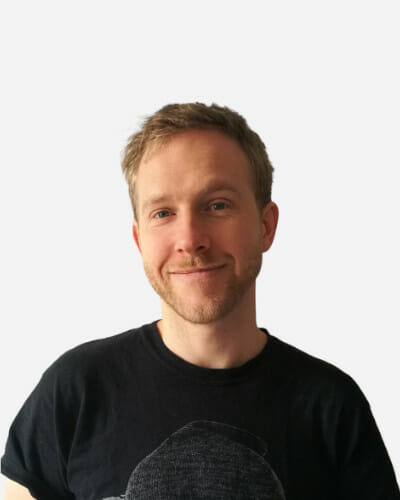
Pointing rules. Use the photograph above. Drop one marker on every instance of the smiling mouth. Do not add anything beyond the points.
(197, 270)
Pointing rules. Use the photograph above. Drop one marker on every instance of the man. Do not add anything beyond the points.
(203, 403)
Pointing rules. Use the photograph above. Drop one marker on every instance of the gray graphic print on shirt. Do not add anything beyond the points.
(205, 460)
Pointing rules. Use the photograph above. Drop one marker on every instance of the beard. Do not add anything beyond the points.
(206, 301)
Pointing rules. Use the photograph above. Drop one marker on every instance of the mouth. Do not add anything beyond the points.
(198, 271)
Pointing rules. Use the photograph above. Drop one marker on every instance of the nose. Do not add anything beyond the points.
(191, 235)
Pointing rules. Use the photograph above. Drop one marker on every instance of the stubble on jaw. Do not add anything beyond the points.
(216, 304)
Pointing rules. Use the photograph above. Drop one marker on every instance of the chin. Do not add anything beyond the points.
(204, 311)
(205, 303)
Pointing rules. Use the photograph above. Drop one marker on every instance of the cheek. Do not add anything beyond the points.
(242, 238)
(154, 251)
(247, 251)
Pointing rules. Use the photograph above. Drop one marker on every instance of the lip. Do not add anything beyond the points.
(198, 271)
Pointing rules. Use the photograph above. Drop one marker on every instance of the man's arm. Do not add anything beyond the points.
(15, 491)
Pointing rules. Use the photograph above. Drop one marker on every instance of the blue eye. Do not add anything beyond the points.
(219, 205)
(162, 214)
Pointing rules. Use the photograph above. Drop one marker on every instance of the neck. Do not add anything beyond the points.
(226, 343)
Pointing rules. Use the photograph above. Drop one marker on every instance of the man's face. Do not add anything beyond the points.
(199, 230)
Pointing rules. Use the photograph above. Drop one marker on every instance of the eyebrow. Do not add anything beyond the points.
(212, 187)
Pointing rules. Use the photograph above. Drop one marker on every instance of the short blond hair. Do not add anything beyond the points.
(175, 118)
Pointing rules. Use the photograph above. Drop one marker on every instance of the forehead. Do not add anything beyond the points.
(193, 148)
(188, 162)
(210, 141)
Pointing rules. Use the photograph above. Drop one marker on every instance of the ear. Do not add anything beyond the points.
(135, 232)
(270, 217)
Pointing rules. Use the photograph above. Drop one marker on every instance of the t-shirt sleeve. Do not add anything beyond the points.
(36, 449)
(365, 469)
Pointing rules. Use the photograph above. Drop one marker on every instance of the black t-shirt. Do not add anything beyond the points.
(124, 417)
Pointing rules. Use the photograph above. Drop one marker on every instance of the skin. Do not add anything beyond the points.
(15, 491)
(201, 236)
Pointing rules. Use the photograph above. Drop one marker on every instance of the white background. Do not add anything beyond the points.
(318, 80)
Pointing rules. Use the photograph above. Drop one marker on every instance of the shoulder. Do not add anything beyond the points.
(312, 377)
(97, 359)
